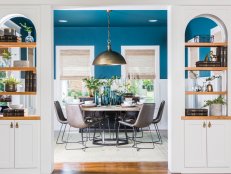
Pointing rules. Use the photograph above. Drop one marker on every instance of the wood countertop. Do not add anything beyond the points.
(29, 117)
(206, 118)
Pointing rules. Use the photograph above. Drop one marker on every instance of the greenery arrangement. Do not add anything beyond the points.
(6, 54)
(148, 84)
(109, 82)
(11, 81)
(74, 93)
(218, 100)
(212, 78)
(26, 28)
(92, 85)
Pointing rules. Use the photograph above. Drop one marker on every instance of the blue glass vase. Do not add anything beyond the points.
(106, 97)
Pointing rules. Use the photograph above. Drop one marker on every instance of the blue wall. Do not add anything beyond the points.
(199, 26)
(129, 36)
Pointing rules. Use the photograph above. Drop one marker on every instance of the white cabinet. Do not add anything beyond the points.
(218, 143)
(26, 144)
(207, 143)
(195, 144)
(7, 144)
(20, 144)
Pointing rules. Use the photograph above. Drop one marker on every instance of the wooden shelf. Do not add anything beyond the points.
(206, 68)
(206, 118)
(205, 93)
(18, 44)
(18, 69)
(17, 93)
(215, 44)
(27, 117)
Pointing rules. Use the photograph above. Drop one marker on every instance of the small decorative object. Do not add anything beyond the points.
(28, 29)
(204, 38)
(194, 76)
(6, 55)
(11, 84)
(92, 85)
(209, 87)
(204, 87)
(21, 63)
(215, 106)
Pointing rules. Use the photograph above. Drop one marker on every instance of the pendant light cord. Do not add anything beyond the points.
(108, 30)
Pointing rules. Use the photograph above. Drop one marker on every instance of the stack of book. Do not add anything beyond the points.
(30, 81)
(196, 112)
(207, 64)
(221, 53)
(13, 112)
(5, 98)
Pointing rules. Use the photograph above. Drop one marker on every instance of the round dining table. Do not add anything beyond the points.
(111, 108)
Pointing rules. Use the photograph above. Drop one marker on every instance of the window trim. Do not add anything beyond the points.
(57, 81)
(59, 48)
(157, 66)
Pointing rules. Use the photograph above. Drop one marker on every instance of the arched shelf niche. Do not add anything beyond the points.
(198, 68)
(14, 20)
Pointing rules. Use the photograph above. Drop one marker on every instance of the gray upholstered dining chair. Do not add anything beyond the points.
(157, 120)
(61, 118)
(75, 119)
(144, 119)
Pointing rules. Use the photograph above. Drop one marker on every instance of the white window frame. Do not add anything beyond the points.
(156, 48)
(57, 82)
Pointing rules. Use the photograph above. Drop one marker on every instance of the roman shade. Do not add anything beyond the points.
(140, 63)
(75, 64)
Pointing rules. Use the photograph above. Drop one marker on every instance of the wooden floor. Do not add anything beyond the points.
(112, 168)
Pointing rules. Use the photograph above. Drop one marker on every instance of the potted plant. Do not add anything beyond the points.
(11, 84)
(6, 55)
(28, 29)
(215, 106)
(75, 94)
(92, 85)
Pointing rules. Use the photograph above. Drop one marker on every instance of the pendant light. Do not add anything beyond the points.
(109, 57)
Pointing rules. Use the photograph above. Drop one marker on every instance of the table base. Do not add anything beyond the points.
(109, 142)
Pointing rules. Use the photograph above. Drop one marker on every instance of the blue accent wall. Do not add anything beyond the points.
(199, 26)
(120, 36)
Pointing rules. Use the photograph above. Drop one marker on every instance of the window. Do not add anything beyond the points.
(73, 64)
(141, 70)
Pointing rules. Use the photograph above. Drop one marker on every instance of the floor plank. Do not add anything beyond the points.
(112, 168)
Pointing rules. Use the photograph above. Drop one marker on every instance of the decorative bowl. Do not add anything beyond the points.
(14, 106)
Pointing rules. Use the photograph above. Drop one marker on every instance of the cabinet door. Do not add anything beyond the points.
(7, 144)
(195, 143)
(218, 143)
(26, 144)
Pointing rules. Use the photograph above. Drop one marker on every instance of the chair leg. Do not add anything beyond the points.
(117, 135)
(109, 129)
(135, 143)
(60, 130)
(64, 131)
(158, 134)
(151, 137)
(82, 142)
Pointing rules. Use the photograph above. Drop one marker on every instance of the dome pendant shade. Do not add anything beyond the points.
(109, 57)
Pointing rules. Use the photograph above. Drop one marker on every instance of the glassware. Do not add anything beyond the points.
(29, 38)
